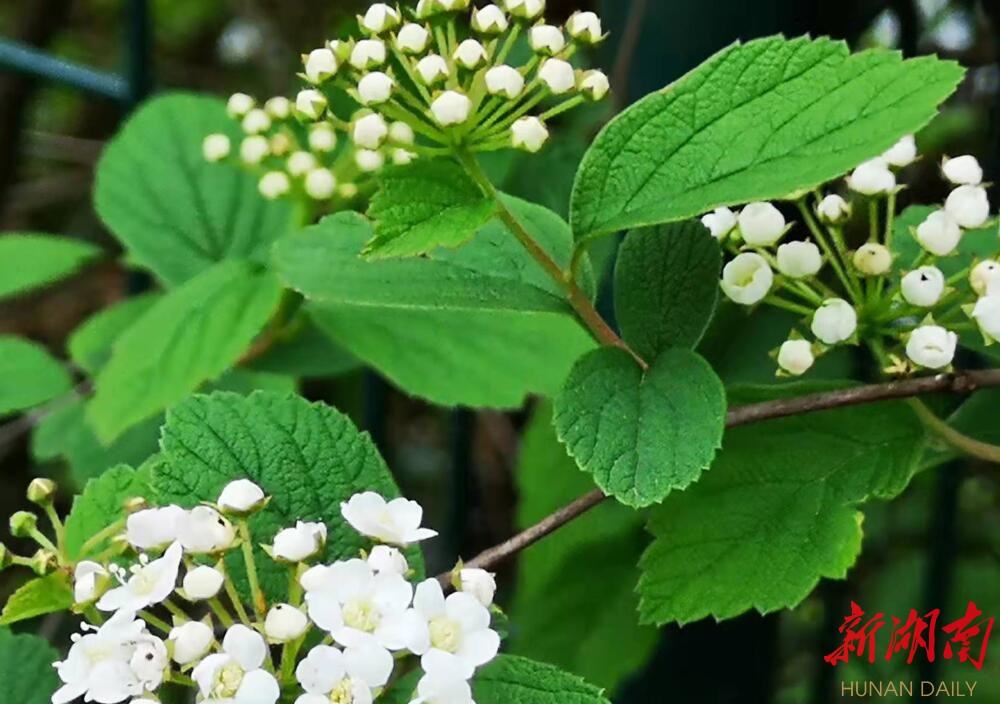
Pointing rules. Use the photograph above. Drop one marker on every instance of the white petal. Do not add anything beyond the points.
(313, 699)
(369, 663)
(351, 579)
(204, 672)
(428, 599)
(411, 630)
(69, 692)
(246, 645)
(392, 592)
(467, 611)
(258, 687)
(321, 669)
(324, 610)
(480, 647)
(439, 663)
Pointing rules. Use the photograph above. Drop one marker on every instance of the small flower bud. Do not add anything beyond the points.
(923, 287)
(384, 558)
(322, 138)
(375, 88)
(90, 580)
(380, 18)
(349, 191)
(191, 641)
(241, 496)
(720, 222)
(479, 583)
(320, 66)
(254, 149)
(299, 543)
(594, 85)
(795, 357)
(432, 69)
(528, 134)
(525, 9)
(834, 321)
(931, 346)
(558, 75)
(747, 279)
(204, 530)
(368, 54)
(23, 524)
(986, 313)
(280, 144)
(41, 490)
(489, 20)
(215, 147)
(833, 209)
(43, 562)
(274, 184)
(402, 157)
(969, 206)
(368, 160)
(401, 133)
(412, 38)
(962, 170)
(134, 504)
(546, 39)
(985, 277)
(256, 121)
(872, 259)
(310, 103)
(202, 582)
(504, 80)
(452, 5)
(761, 224)
(239, 104)
(320, 184)
(451, 108)
(341, 50)
(300, 163)
(369, 131)
(799, 259)
(585, 27)
(872, 178)
(284, 622)
(902, 153)
(939, 234)
(279, 107)
(470, 54)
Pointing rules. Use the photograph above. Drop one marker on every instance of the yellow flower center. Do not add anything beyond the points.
(362, 615)
(445, 634)
(227, 681)
(343, 693)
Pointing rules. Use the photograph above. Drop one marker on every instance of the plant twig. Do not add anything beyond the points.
(960, 441)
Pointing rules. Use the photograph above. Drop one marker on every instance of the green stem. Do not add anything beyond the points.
(834, 257)
(156, 622)
(561, 108)
(102, 535)
(785, 304)
(58, 528)
(220, 612)
(234, 597)
(968, 445)
(246, 545)
(176, 610)
(43, 541)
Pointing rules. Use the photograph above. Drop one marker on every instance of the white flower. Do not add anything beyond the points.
(525, 9)
(833, 209)
(872, 178)
(984, 277)
(452, 635)
(387, 559)
(585, 27)
(202, 582)
(320, 184)
(401, 133)
(204, 530)
(368, 160)
(594, 84)
(375, 88)
(470, 54)
(962, 170)
(432, 68)
(396, 522)
(153, 528)
(284, 622)
(148, 584)
(761, 224)
(987, 314)
(412, 38)
(401, 157)
(370, 131)
(310, 103)
(872, 259)
(242, 495)
(443, 689)
(923, 287)
(298, 164)
(191, 641)
(322, 138)
(968, 205)
(796, 356)
(356, 606)
(747, 279)
(215, 147)
(98, 667)
(379, 18)
(368, 54)
(528, 133)
(239, 104)
(720, 222)
(546, 39)
(558, 75)
(87, 580)
(489, 20)
(274, 184)
(279, 107)
(834, 321)
(479, 583)
(799, 259)
(504, 80)
(299, 543)
(451, 108)
(256, 121)
(939, 233)
(236, 676)
(328, 674)
(902, 153)
(320, 65)
(254, 149)
(149, 661)
(931, 346)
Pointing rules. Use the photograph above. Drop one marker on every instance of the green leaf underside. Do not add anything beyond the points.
(308, 457)
(192, 335)
(757, 121)
(26, 668)
(479, 326)
(176, 213)
(666, 286)
(100, 504)
(29, 261)
(641, 435)
(37, 597)
(29, 375)
(425, 205)
(556, 579)
(90, 344)
(778, 511)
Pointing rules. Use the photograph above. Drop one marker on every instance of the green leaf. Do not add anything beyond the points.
(424, 205)
(757, 121)
(177, 214)
(510, 679)
(37, 597)
(29, 261)
(308, 457)
(641, 434)
(246, 381)
(29, 376)
(666, 286)
(90, 344)
(778, 511)
(609, 645)
(192, 335)
(100, 505)
(478, 326)
(308, 353)
(26, 668)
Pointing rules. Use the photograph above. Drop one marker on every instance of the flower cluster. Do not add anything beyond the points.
(343, 632)
(906, 309)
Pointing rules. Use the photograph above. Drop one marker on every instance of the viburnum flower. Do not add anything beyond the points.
(153, 528)
(833, 209)
(834, 321)
(558, 75)
(489, 19)
(274, 184)
(149, 583)
(585, 27)
(256, 121)
(479, 583)
(504, 80)
(761, 224)
(962, 170)
(529, 134)
(375, 88)
(872, 259)
(799, 259)
(396, 522)
(322, 138)
(328, 674)
(254, 149)
(412, 38)
(931, 346)
(594, 84)
(451, 108)
(720, 222)
(239, 104)
(216, 147)
(525, 9)
(202, 582)
(279, 107)
(984, 274)
(939, 233)
(986, 313)
(380, 18)
(236, 675)
(747, 279)
(205, 530)
(191, 641)
(546, 39)
(310, 103)
(285, 622)
(796, 356)
(442, 689)
(299, 543)
(369, 131)
(87, 580)
(923, 287)
(902, 153)
(968, 205)
(384, 558)
(872, 178)
(432, 68)
(320, 65)
(241, 496)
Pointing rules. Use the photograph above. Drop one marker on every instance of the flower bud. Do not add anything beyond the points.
(380, 18)
(368, 160)
(241, 496)
(525, 9)
(872, 259)
(489, 20)
(320, 65)
(320, 184)
(528, 134)
(558, 76)
(546, 39)
(902, 153)
(384, 558)
(299, 543)
(368, 54)
(833, 209)
(215, 147)
(799, 259)
(274, 185)
(761, 224)
(470, 54)
(41, 490)
(923, 287)
(452, 5)
(299, 163)
(322, 138)
(594, 85)
(90, 580)
(962, 170)
(401, 133)
(747, 279)
(349, 191)
(369, 131)
(43, 562)
(202, 582)
(479, 583)
(931, 346)
(795, 356)
(190, 642)
(412, 38)
(432, 69)
(451, 108)
(872, 178)
(310, 103)
(280, 144)
(23, 524)
(939, 234)
(585, 27)
(134, 504)
(153, 528)
(375, 88)
(720, 222)
(239, 104)
(504, 80)
(986, 313)
(402, 157)
(279, 107)
(834, 321)
(204, 530)
(968, 205)
(284, 622)
(985, 277)
(256, 121)
(254, 149)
